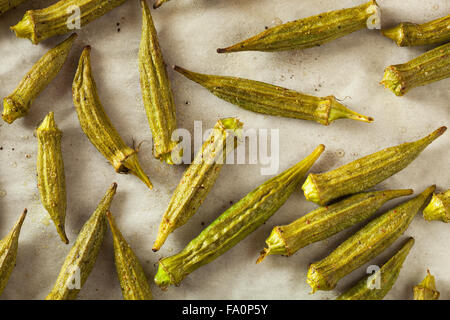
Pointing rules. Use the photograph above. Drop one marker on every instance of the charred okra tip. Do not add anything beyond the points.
(50, 171)
(438, 208)
(426, 290)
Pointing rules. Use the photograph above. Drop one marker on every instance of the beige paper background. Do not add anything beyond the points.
(189, 32)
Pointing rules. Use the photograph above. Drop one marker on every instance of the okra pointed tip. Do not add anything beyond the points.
(133, 165)
(221, 50)
(339, 111)
(158, 3)
(263, 255)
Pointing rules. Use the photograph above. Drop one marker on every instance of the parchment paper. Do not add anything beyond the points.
(190, 31)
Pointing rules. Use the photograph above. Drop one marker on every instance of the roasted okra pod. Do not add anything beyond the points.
(156, 91)
(429, 67)
(8, 252)
(377, 286)
(426, 290)
(62, 17)
(312, 31)
(96, 124)
(411, 34)
(83, 254)
(50, 172)
(6, 5)
(365, 172)
(199, 178)
(326, 221)
(133, 282)
(265, 98)
(234, 224)
(17, 104)
(438, 208)
(365, 244)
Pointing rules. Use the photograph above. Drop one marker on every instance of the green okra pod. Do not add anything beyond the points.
(377, 286)
(18, 103)
(426, 290)
(365, 172)
(6, 5)
(50, 172)
(156, 90)
(438, 208)
(312, 31)
(234, 224)
(326, 221)
(60, 18)
(265, 98)
(8, 252)
(429, 67)
(411, 34)
(365, 244)
(96, 124)
(83, 254)
(133, 282)
(199, 178)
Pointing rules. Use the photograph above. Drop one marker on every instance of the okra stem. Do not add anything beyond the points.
(268, 99)
(234, 224)
(310, 32)
(411, 34)
(429, 67)
(18, 103)
(97, 126)
(326, 221)
(61, 18)
(365, 244)
(426, 290)
(385, 278)
(8, 252)
(438, 208)
(199, 178)
(365, 172)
